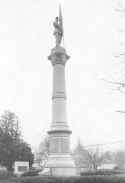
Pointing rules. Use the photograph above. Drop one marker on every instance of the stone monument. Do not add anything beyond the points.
(60, 161)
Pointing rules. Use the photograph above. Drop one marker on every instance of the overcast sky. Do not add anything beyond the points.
(91, 38)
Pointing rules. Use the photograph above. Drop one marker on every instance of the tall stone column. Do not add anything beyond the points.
(60, 160)
(58, 59)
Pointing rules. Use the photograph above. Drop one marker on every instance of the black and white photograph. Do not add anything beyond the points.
(62, 91)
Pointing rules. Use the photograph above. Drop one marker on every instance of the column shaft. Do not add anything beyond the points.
(59, 94)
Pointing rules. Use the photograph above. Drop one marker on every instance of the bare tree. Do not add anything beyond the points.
(120, 159)
(80, 156)
(90, 159)
(119, 49)
(95, 158)
(42, 153)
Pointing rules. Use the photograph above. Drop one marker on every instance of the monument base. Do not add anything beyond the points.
(61, 165)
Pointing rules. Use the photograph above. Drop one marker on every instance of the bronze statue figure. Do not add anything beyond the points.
(58, 32)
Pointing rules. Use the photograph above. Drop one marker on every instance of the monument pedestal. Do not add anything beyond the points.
(60, 160)
(61, 165)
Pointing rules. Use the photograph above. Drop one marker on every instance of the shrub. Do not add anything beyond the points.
(4, 174)
(102, 172)
(31, 173)
(87, 179)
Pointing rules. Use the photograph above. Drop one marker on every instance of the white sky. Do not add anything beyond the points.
(26, 39)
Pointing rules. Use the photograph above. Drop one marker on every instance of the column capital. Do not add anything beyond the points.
(58, 56)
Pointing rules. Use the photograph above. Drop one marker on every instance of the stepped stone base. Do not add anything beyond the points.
(61, 165)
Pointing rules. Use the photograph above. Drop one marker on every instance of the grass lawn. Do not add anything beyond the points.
(84, 179)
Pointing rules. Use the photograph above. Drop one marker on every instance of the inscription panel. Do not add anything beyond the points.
(59, 145)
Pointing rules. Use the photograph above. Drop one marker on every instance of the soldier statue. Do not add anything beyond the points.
(58, 32)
